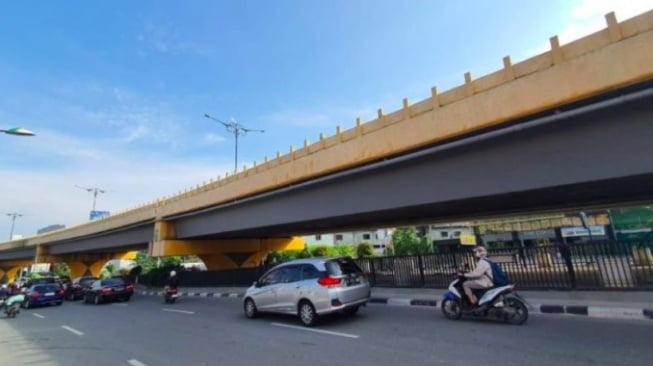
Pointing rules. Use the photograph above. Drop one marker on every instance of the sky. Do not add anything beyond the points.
(116, 91)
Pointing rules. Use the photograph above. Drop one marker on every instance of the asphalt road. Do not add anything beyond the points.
(205, 331)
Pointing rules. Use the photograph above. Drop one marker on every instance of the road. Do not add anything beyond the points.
(205, 331)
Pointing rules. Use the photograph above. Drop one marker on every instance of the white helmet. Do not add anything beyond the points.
(173, 273)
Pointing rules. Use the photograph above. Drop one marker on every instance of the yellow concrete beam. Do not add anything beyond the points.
(189, 247)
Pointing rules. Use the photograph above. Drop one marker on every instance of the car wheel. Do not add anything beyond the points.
(307, 313)
(97, 300)
(250, 309)
(70, 297)
(126, 298)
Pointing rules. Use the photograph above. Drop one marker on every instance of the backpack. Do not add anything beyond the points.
(499, 278)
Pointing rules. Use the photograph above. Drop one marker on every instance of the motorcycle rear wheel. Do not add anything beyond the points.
(452, 309)
(518, 314)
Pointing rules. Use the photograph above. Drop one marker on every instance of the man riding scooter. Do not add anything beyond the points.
(480, 278)
(170, 289)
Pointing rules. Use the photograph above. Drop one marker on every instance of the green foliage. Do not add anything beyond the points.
(33, 275)
(364, 250)
(110, 268)
(319, 251)
(407, 242)
(342, 251)
(148, 263)
(61, 270)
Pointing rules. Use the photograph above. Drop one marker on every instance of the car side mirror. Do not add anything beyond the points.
(256, 284)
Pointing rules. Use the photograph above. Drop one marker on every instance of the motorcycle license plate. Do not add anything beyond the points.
(174, 295)
(49, 294)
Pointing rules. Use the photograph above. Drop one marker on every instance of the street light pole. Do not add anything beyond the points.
(238, 130)
(18, 131)
(13, 216)
(95, 192)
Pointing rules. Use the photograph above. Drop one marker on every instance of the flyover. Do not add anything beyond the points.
(567, 128)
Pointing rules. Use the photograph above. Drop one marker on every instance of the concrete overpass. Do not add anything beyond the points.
(570, 127)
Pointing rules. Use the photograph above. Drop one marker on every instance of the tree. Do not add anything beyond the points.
(364, 250)
(319, 251)
(343, 250)
(407, 242)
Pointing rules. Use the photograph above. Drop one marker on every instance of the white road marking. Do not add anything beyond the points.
(38, 315)
(179, 311)
(347, 335)
(135, 362)
(72, 330)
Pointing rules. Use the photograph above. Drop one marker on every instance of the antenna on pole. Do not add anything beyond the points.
(13, 216)
(238, 130)
(95, 193)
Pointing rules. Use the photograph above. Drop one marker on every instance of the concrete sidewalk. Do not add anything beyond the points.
(601, 304)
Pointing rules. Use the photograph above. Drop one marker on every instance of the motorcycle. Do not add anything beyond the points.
(498, 302)
(11, 305)
(170, 295)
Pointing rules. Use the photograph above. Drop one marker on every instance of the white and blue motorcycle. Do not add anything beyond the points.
(497, 302)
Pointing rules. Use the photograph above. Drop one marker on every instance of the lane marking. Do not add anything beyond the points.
(346, 335)
(75, 331)
(179, 311)
(38, 315)
(135, 362)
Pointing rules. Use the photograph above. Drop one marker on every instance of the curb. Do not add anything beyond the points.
(580, 310)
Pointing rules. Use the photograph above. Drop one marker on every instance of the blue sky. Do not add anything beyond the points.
(116, 91)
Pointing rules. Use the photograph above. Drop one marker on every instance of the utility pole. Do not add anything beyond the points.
(13, 216)
(238, 130)
(95, 193)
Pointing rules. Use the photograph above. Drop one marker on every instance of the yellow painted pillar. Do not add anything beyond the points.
(217, 261)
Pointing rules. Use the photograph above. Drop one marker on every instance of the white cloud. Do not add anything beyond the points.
(167, 40)
(212, 138)
(588, 16)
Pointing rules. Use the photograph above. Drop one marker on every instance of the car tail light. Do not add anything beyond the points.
(174, 290)
(130, 287)
(36, 294)
(329, 281)
(106, 290)
(62, 292)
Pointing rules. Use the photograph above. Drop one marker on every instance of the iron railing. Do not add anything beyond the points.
(595, 265)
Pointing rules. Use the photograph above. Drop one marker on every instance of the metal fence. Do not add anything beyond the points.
(587, 266)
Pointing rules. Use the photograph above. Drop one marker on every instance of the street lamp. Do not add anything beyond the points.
(13, 216)
(238, 130)
(18, 131)
(95, 192)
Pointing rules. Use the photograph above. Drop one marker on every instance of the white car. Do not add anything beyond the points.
(309, 288)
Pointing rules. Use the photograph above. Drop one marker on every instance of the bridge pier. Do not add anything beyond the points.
(9, 269)
(219, 254)
(80, 265)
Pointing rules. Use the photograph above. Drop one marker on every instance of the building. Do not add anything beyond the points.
(380, 239)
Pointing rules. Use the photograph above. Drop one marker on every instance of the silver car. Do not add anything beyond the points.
(309, 288)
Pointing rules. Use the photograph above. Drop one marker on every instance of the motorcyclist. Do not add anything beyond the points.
(172, 282)
(480, 277)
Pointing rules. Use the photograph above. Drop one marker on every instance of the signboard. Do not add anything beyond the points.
(569, 232)
(95, 215)
(467, 239)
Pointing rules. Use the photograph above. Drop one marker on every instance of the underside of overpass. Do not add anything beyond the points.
(583, 156)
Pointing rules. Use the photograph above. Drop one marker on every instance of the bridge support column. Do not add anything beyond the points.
(223, 253)
(87, 264)
(9, 269)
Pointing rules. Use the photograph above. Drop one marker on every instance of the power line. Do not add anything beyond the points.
(238, 130)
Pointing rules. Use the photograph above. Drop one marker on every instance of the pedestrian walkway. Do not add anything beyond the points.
(601, 304)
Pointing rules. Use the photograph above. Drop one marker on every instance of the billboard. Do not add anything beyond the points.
(96, 215)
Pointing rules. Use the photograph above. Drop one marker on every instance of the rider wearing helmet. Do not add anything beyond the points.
(480, 277)
(172, 281)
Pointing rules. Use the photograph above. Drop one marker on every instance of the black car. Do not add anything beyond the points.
(109, 289)
(76, 290)
(41, 281)
(43, 294)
